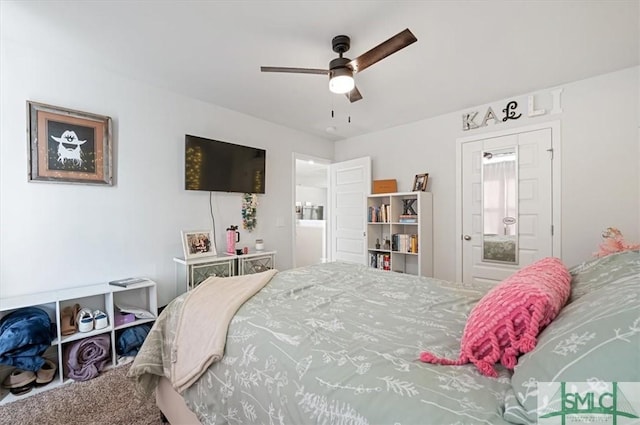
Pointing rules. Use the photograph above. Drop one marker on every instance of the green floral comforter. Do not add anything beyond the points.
(338, 343)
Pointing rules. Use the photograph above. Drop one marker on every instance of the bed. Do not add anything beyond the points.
(339, 343)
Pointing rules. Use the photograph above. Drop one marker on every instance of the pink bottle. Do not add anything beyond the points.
(233, 236)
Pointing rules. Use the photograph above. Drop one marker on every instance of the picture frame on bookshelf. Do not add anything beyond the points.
(420, 182)
(68, 146)
(198, 243)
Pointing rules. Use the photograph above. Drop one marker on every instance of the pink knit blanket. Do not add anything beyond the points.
(507, 320)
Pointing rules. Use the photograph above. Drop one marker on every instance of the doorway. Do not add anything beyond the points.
(337, 231)
(311, 185)
(508, 203)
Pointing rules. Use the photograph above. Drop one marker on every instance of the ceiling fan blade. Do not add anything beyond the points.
(354, 95)
(382, 50)
(294, 70)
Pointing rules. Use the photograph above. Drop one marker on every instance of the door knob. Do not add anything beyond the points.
(466, 237)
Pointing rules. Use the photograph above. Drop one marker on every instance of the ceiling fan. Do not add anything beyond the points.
(341, 69)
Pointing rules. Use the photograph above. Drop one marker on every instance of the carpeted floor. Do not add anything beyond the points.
(105, 400)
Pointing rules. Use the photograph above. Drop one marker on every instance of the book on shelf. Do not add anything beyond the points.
(386, 262)
(127, 281)
(413, 244)
(379, 214)
(407, 218)
(378, 260)
(404, 243)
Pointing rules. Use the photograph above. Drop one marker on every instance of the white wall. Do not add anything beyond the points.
(600, 167)
(311, 242)
(315, 195)
(61, 235)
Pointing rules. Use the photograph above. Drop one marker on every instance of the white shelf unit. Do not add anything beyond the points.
(95, 297)
(190, 273)
(386, 225)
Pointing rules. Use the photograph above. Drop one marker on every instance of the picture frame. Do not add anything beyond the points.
(68, 146)
(198, 243)
(420, 182)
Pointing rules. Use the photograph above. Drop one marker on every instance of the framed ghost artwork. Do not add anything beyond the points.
(68, 146)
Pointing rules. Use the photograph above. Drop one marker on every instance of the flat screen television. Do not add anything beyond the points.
(215, 166)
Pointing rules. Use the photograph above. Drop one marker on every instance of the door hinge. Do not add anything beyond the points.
(550, 150)
(552, 230)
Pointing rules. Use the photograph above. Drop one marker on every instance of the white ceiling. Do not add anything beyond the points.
(468, 52)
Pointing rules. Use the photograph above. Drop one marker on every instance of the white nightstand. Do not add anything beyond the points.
(256, 262)
(190, 273)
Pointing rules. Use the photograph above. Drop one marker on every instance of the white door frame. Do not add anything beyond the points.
(555, 178)
(304, 157)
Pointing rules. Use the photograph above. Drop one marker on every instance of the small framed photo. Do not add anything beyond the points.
(420, 182)
(198, 243)
(68, 146)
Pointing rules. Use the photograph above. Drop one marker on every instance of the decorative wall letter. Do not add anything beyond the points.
(467, 121)
(532, 112)
(510, 111)
(490, 115)
(557, 108)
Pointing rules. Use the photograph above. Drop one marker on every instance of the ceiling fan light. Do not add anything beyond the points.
(341, 81)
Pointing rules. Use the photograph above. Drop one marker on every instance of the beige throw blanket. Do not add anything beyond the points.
(202, 327)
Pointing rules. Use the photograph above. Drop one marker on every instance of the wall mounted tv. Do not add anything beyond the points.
(215, 166)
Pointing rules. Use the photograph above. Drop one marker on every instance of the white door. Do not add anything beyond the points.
(531, 230)
(349, 186)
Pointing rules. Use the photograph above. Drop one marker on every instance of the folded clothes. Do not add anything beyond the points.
(25, 334)
(131, 339)
(85, 358)
(140, 313)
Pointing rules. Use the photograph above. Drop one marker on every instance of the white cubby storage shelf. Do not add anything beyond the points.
(102, 297)
(400, 232)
